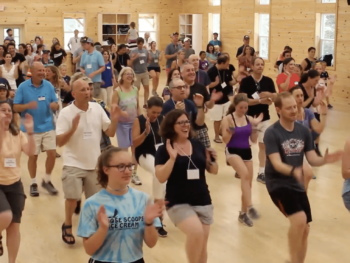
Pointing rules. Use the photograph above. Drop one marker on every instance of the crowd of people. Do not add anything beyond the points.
(42, 108)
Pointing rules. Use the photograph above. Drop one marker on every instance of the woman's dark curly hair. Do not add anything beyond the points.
(103, 161)
(167, 130)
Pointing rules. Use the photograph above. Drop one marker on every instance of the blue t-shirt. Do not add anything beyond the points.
(215, 42)
(43, 95)
(92, 62)
(124, 239)
(107, 76)
(309, 116)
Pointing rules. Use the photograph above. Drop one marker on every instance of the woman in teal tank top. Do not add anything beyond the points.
(126, 97)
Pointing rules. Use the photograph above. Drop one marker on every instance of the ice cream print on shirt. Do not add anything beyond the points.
(293, 147)
(124, 222)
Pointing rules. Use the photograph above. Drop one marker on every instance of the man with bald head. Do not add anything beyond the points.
(37, 97)
(79, 128)
(201, 75)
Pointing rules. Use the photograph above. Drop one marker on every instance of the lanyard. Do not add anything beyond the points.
(189, 157)
(199, 73)
(220, 76)
(154, 136)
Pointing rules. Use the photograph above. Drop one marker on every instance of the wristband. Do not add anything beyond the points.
(292, 171)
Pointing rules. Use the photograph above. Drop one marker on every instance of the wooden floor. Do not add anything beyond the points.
(229, 240)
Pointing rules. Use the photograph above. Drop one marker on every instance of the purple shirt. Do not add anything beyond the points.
(203, 65)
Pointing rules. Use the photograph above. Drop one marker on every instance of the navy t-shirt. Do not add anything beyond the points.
(107, 76)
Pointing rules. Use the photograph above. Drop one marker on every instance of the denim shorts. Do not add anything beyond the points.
(346, 199)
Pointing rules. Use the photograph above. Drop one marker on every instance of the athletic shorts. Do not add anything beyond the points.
(245, 154)
(142, 78)
(12, 198)
(96, 261)
(262, 127)
(156, 69)
(290, 202)
(44, 141)
(178, 213)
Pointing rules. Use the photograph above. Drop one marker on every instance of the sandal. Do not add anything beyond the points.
(1, 247)
(217, 141)
(65, 235)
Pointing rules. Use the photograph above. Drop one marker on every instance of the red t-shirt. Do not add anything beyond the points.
(281, 78)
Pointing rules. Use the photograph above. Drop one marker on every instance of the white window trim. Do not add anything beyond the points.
(322, 40)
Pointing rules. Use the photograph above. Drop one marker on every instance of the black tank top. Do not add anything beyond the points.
(308, 67)
(306, 96)
(153, 138)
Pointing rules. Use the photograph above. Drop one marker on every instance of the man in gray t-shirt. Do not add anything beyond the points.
(187, 48)
(286, 143)
(138, 61)
(171, 50)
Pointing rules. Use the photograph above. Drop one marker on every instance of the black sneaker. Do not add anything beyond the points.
(49, 187)
(244, 219)
(162, 232)
(77, 209)
(34, 190)
(330, 106)
(261, 178)
(253, 213)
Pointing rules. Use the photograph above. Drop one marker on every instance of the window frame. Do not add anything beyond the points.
(213, 2)
(324, 40)
(263, 3)
(76, 15)
(260, 37)
(322, 2)
(155, 31)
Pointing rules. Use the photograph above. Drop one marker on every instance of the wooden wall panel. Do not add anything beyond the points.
(292, 22)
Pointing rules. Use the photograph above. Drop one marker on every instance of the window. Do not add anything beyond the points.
(216, 24)
(264, 35)
(216, 2)
(69, 25)
(328, 1)
(327, 34)
(148, 23)
(264, 2)
(16, 34)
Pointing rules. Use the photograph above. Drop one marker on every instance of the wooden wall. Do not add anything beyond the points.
(292, 22)
(45, 18)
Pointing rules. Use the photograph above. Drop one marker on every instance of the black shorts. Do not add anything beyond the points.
(95, 261)
(245, 154)
(156, 69)
(12, 198)
(290, 202)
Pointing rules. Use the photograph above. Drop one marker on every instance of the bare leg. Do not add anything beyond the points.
(50, 161)
(304, 244)
(155, 87)
(262, 155)
(32, 165)
(13, 241)
(295, 235)
(152, 73)
(146, 94)
(70, 206)
(204, 255)
(5, 220)
(217, 125)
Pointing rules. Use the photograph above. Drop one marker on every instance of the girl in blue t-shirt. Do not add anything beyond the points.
(108, 80)
(116, 221)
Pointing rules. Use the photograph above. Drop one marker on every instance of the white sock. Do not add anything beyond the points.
(47, 178)
(261, 170)
(33, 180)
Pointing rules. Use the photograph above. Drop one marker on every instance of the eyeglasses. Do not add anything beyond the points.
(183, 123)
(129, 74)
(180, 87)
(122, 167)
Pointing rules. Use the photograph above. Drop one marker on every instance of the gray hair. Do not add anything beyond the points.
(171, 83)
(183, 65)
(121, 73)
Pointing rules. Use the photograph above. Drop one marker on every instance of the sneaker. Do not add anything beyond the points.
(253, 213)
(154, 93)
(162, 232)
(49, 187)
(261, 178)
(135, 179)
(330, 106)
(244, 219)
(314, 177)
(237, 176)
(34, 190)
(77, 209)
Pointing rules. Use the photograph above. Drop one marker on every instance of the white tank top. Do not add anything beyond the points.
(9, 75)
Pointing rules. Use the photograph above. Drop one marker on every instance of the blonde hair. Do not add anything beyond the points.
(75, 77)
(122, 72)
(63, 66)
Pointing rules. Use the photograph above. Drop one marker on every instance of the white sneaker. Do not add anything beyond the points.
(135, 179)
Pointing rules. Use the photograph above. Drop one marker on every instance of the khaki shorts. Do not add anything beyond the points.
(262, 127)
(178, 213)
(73, 180)
(44, 141)
(142, 78)
(219, 111)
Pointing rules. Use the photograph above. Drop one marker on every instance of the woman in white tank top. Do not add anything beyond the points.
(9, 71)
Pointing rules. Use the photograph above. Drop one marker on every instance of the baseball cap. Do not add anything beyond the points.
(175, 33)
(4, 86)
(246, 37)
(87, 79)
(46, 51)
(187, 39)
(86, 40)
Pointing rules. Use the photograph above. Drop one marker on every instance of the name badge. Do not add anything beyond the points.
(108, 67)
(256, 96)
(10, 162)
(158, 145)
(248, 69)
(142, 55)
(87, 135)
(193, 174)
(296, 83)
(141, 61)
(223, 85)
(41, 98)
(88, 66)
(156, 61)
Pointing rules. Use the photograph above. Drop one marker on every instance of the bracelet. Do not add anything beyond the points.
(151, 224)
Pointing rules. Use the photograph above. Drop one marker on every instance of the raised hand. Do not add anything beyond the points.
(28, 123)
(171, 150)
(102, 217)
(148, 126)
(32, 105)
(198, 99)
(333, 157)
(115, 112)
(75, 121)
(215, 96)
(180, 105)
(257, 120)
(153, 211)
(323, 107)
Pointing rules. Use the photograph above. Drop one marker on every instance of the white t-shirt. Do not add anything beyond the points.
(74, 43)
(83, 148)
(148, 44)
(133, 33)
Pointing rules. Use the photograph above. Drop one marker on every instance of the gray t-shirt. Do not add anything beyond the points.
(171, 49)
(188, 52)
(76, 53)
(291, 146)
(154, 63)
(140, 64)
